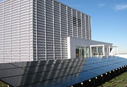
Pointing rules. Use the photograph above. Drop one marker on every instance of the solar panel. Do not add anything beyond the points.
(48, 83)
(86, 75)
(69, 80)
(57, 73)
(97, 71)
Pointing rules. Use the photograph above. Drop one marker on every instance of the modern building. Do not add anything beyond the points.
(32, 30)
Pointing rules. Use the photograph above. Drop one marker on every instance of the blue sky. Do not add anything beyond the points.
(108, 17)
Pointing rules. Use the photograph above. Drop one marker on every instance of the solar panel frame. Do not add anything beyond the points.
(58, 73)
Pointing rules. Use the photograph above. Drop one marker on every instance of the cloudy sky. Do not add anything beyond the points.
(109, 19)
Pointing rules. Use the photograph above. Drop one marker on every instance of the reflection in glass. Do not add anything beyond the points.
(82, 52)
(87, 51)
(94, 51)
(77, 52)
(100, 51)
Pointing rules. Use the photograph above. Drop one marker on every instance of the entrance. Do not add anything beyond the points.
(82, 52)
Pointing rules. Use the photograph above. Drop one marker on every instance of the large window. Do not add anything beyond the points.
(94, 51)
(82, 52)
(77, 52)
(100, 51)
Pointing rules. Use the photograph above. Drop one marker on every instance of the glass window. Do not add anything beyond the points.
(82, 52)
(87, 51)
(94, 51)
(77, 52)
(100, 51)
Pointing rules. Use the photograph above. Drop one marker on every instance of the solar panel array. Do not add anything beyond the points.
(57, 73)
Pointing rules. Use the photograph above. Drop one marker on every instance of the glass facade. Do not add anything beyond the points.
(82, 52)
(100, 51)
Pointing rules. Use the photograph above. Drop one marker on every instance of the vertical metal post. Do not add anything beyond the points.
(72, 22)
(90, 37)
(11, 29)
(53, 31)
(77, 22)
(67, 20)
(85, 27)
(45, 31)
(90, 51)
(60, 30)
(3, 32)
(81, 26)
(36, 34)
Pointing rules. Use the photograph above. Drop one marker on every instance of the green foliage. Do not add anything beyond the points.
(119, 81)
(3, 84)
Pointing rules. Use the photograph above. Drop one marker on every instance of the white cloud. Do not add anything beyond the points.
(101, 5)
(120, 7)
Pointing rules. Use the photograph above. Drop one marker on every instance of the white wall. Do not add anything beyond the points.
(122, 55)
(72, 43)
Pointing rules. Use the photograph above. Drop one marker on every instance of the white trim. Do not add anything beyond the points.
(45, 31)
(81, 26)
(103, 50)
(36, 34)
(72, 22)
(67, 20)
(53, 31)
(69, 47)
(60, 31)
(77, 23)
(32, 30)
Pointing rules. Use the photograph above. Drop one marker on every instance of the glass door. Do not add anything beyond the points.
(87, 51)
(83, 56)
(77, 52)
(82, 52)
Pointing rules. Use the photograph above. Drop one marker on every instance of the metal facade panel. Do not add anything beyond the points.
(53, 23)
(38, 29)
(57, 30)
(16, 30)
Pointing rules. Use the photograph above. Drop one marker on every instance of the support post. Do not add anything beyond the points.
(117, 51)
(109, 51)
(90, 52)
(97, 51)
(103, 50)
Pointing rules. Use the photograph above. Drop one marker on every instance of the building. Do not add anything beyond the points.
(32, 30)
